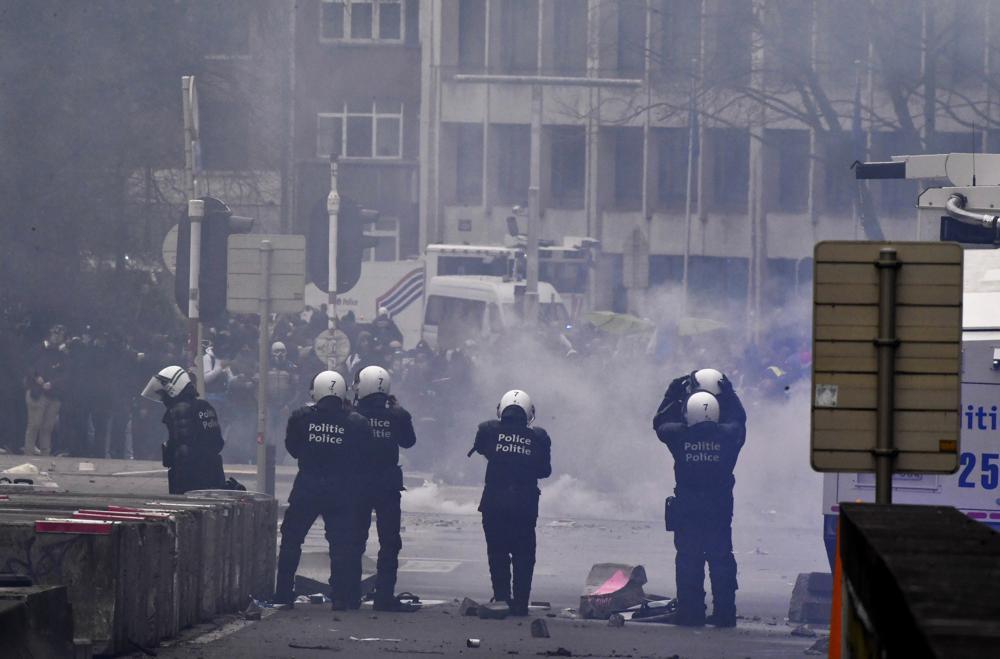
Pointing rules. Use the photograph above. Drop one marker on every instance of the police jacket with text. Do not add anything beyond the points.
(391, 429)
(517, 456)
(194, 441)
(328, 441)
(704, 458)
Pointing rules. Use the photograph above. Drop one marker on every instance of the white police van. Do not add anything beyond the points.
(975, 488)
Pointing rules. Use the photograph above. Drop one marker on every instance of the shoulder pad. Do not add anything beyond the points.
(301, 412)
(489, 425)
(541, 434)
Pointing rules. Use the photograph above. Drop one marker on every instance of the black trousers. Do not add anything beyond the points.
(705, 535)
(388, 516)
(308, 501)
(510, 543)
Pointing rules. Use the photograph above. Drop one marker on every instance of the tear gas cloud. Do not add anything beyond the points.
(598, 408)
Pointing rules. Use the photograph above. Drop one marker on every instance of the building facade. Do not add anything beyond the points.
(708, 139)
(356, 97)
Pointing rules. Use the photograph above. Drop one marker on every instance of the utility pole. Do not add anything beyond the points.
(265, 445)
(333, 210)
(534, 212)
(196, 211)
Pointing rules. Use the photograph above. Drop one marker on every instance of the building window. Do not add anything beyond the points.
(676, 37)
(386, 230)
(839, 185)
(518, 45)
(790, 149)
(361, 20)
(469, 164)
(631, 37)
(568, 166)
(728, 60)
(730, 168)
(628, 168)
(674, 145)
(512, 145)
(472, 35)
(570, 46)
(366, 130)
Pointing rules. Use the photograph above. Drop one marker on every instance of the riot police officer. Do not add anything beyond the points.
(392, 429)
(705, 443)
(327, 439)
(194, 438)
(517, 455)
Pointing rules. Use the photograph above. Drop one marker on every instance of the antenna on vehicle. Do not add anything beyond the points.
(974, 154)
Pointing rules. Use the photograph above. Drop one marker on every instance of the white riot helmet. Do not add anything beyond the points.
(372, 380)
(517, 398)
(328, 383)
(708, 379)
(168, 383)
(701, 407)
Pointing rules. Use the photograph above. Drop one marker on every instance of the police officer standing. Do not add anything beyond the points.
(327, 439)
(392, 429)
(194, 438)
(703, 424)
(517, 456)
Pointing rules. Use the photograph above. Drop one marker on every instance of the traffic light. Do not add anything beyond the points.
(216, 227)
(352, 241)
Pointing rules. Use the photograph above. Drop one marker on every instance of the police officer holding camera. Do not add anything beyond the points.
(328, 441)
(703, 423)
(391, 429)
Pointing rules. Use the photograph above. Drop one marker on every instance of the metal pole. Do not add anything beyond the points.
(333, 210)
(689, 190)
(886, 344)
(534, 212)
(265, 447)
(196, 212)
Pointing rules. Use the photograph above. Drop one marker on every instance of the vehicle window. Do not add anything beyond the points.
(434, 311)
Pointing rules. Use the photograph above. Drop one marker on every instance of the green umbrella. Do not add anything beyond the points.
(689, 326)
(618, 323)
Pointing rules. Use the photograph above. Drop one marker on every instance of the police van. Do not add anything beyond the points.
(460, 308)
(975, 488)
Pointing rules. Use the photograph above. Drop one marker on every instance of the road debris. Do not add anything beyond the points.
(468, 607)
(539, 628)
(493, 611)
(296, 646)
(616, 620)
(558, 652)
(375, 639)
(472, 642)
(804, 632)
(612, 587)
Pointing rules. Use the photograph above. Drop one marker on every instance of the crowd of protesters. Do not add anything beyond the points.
(79, 390)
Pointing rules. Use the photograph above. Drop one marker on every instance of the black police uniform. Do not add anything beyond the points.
(194, 441)
(327, 440)
(517, 456)
(392, 429)
(702, 515)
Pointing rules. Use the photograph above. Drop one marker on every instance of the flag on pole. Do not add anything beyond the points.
(403, 293)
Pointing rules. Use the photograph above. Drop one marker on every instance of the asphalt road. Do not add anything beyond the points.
(444, 558)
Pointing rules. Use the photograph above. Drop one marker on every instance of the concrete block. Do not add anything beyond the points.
(35, 621)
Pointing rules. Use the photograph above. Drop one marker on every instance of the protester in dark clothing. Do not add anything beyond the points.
(392, 429)
(384, 330)
(45, 384)
(327, 440)
(194, 438)
(517, 456)
(705, 450)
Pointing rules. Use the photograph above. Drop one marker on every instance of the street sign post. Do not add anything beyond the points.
(266, 274)
(887, 358)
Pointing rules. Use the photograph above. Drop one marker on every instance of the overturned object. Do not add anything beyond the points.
(612, 587)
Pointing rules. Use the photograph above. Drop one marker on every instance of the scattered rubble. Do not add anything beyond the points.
(612, 587)
(468, 607)
(539, 628)
(804, 632)
(616, 620)
(493, 611)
